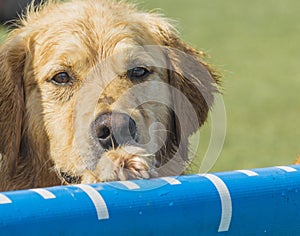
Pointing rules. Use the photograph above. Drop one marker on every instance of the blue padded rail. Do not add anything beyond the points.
(243, 202)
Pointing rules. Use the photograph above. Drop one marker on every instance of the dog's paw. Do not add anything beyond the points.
(123, 163)
(89, 177)
(132, 167)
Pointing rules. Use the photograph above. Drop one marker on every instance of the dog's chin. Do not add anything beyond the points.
(122, 163)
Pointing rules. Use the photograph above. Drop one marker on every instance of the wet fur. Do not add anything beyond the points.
(39, 122)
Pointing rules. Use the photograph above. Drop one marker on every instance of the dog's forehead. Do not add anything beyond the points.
(99, 25)
(87, 33)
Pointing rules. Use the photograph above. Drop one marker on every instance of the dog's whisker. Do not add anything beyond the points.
(112, 142)
(43, 166)
(163, 130)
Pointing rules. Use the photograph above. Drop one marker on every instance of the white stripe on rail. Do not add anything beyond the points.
(130, 185)
(171, 180)
(43, 193)
(4, 199)
(248, 172)
(98, 201)
(286, 168)
(226, 203)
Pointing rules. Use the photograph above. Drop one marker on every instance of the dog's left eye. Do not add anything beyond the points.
(138, 73)
(62, 78)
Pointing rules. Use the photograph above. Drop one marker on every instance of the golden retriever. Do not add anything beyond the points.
(95, 91)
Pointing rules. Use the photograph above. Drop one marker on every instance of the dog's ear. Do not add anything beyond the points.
(12, 56)
(193, 84)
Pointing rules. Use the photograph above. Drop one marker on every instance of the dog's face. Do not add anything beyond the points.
(91, 110)
(99, 84)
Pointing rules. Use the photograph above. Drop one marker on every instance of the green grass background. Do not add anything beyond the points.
(255, 45)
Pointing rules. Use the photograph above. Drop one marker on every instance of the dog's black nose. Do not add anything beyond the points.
(114, 129)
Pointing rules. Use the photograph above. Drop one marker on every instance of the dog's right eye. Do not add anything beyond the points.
(138, 73)
(62, 78)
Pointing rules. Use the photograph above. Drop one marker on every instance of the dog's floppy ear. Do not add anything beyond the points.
(194, 84)
(12, 56)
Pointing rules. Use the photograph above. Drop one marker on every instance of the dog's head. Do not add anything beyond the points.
(98, 87)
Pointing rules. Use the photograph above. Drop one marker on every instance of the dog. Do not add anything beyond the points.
(95, 91)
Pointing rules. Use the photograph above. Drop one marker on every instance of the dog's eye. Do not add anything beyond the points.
(62, 78)
(138, 73)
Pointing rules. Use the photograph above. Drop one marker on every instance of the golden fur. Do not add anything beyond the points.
(45, 127)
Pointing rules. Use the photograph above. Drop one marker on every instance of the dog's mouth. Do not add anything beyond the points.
(69, 178)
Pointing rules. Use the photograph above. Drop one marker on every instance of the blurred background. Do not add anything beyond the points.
(255, 46)
(9, 9)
